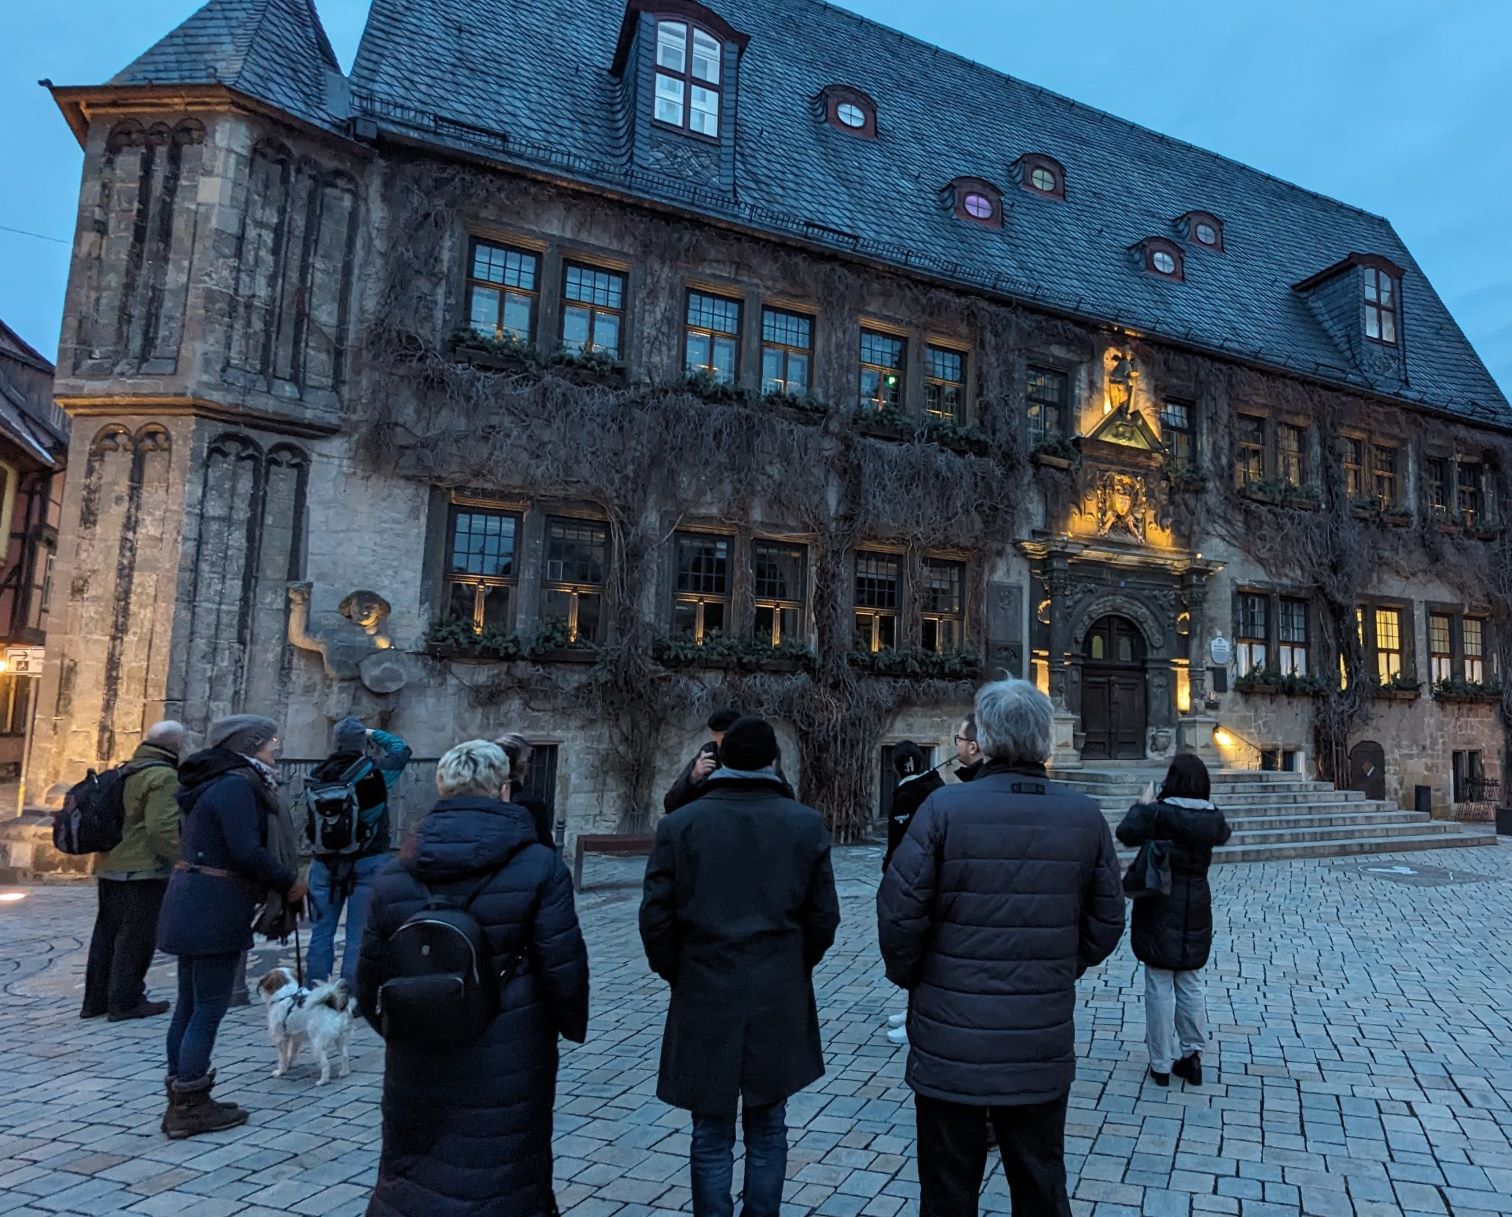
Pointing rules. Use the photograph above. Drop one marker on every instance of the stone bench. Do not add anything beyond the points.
(612, 845)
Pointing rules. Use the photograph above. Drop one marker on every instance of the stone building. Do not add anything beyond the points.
(33, 446)
(578, 367)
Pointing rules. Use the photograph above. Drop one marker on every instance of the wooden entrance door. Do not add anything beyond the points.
(1113, 691)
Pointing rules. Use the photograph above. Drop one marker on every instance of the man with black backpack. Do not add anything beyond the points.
(347, 824)
(133, 875)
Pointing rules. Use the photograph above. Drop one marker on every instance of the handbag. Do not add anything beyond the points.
(1150, 872)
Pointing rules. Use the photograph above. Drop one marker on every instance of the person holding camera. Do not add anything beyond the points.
(689, 784)
(1173, 935)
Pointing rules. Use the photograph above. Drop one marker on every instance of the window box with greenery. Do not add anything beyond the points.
(887, 422)
(1275, 682)
(501, 353)
(1055, 452)
(1404, 686)
(729, 652)
(455, 638)
(1468, 691)
(1188, 480)
(961, 436)
(706, 385)
(588, 368)
(918, 664)
(803, 406)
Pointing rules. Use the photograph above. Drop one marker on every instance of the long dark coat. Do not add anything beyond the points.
(227, 815)
(739, 907)
(1004, 891)
(1176, 931)
(467, 1132)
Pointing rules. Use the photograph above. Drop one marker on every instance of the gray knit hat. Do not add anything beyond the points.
(243, 733)
(349, 735)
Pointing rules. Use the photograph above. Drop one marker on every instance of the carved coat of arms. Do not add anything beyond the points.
(1121, 506)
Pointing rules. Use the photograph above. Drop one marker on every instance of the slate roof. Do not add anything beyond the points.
(28, 416)
(274, 50)
(528, 81)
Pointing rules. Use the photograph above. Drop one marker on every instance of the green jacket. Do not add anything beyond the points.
(150, 836)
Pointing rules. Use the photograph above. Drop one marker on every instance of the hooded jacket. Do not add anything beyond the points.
(1176, 931)
(228, 813)
(467, 1131)
(150, 831)
(908, 797)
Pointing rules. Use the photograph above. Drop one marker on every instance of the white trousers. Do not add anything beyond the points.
(1175, 1016)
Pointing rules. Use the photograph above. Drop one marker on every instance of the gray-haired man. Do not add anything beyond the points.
(1003, 893)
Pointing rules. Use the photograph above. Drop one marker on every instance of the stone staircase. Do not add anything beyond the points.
(1278, 816)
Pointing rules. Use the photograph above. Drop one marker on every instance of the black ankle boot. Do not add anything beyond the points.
(1160, 1079)
(1189, 1068)
(193, 1111)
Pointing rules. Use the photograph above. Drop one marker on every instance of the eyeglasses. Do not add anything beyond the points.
(964, 739)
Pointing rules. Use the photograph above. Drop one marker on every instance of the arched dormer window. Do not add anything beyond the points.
(849, 109)
(688, 70)
(1161, 257)
(1202, 229)
(1041, 174)
(976, 200)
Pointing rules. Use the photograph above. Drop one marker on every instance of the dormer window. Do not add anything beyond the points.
(687, 78)
(849, 109)
(976, 200)
(1202, 228)
(1161, 257)
(1041, 174)
(1380, 305)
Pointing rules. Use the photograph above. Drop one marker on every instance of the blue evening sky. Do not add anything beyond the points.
(1396, 106)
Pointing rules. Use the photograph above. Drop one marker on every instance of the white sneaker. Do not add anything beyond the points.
(894, 1021)
(898, 1036)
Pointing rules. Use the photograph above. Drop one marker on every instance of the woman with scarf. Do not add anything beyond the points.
(229, 865)
(1173, 934)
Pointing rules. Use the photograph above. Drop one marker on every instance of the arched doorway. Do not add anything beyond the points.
(1113, 708)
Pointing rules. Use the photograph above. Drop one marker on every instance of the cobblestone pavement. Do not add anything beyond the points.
(1362, 1013)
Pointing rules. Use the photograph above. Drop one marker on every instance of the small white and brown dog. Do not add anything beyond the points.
(320, 1017)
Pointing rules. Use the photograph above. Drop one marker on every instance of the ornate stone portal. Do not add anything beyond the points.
(1122, 605)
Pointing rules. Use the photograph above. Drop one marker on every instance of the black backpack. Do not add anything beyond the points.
(93, 817)
(334, 820)
(443, 985)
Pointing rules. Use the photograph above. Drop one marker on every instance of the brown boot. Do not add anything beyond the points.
(168, 1083)
(193, 1111)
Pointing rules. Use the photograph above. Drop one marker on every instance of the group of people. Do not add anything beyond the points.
(999, 891)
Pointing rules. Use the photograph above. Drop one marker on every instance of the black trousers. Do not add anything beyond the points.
(120, 952)
(953, 1156)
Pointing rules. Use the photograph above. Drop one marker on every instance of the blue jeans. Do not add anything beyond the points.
(327, 899)
(204, 992)
(713, 1162)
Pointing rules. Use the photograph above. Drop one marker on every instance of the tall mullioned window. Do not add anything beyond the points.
(945, 384)
(713, 336)
(882, 367)
(687, 78)
(577, 567)
(480, 569)
(942, 604)
(1177, 431)
(1252, 633)
(1047, 397)
(779, 572)
(703, 585)
(503, 288)
(1249, 450)
(593, 310)
(787, 351)
(878, 600)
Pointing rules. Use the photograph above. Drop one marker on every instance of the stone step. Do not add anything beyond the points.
(1220, 793)
(1313, 798)
(1340, 847)
(1354, 822)
(1219, 778)
(1468, 836)
(1372, 829)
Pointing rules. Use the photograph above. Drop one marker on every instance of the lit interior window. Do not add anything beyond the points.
(850, 114)
(1043, 179)
(978, 206)
(1163, 262)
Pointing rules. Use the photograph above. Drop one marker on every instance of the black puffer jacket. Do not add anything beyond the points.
(1002, 894)
(1176, 931)
(468, 1132)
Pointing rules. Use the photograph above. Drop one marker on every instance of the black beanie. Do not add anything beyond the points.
(749, 744)
(723, 720)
